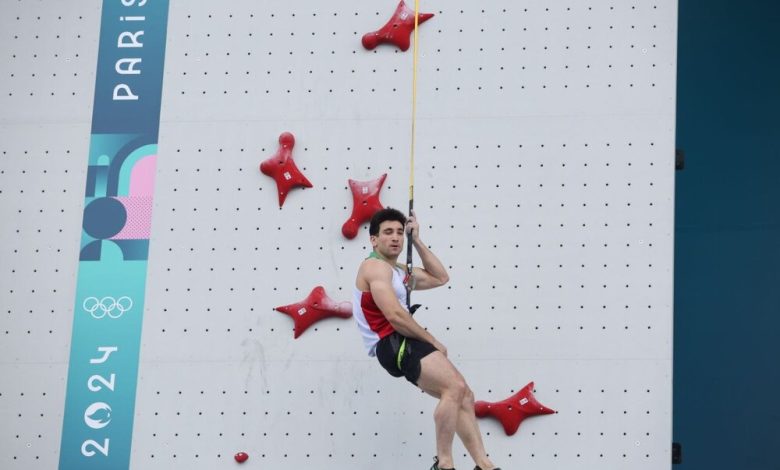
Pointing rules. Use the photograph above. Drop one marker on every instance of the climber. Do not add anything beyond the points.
(401, 345)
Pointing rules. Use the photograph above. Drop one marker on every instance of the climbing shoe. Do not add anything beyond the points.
(436, 465)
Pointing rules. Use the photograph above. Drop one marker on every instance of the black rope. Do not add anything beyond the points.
(409, 267)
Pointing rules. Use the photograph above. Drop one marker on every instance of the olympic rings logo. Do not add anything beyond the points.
(110, 306)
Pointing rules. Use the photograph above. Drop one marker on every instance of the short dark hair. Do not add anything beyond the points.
(383, 215)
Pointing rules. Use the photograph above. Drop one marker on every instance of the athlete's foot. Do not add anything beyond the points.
(436, 465)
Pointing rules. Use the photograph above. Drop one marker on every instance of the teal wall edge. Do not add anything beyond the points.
(727, 242)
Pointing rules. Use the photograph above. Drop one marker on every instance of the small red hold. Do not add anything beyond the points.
(397, 30)
(314, 308)
(512, 411)
(282, 168)
(365, 203)
(241, 457)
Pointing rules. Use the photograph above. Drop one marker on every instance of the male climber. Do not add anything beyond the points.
(403, 347)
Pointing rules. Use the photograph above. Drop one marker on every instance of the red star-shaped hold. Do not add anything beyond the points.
(365, 203)
(397, 30)
(314, 308)
(282, 168)
(512, 411)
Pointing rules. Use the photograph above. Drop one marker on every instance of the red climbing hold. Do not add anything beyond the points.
(512, 411)
(241, 457)
(281, 167)
(314, 308)
(397, 30)
(365, 203)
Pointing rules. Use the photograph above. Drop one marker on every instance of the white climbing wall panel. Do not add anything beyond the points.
(544, 181)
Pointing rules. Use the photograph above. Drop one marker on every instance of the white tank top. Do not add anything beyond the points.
(371, 322)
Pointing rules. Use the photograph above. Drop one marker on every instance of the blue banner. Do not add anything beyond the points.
(103, 369)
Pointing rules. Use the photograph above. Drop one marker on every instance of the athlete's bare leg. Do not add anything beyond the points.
(439, 374)
(439, 378)
(468, 431)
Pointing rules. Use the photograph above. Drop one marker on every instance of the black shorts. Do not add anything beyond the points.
(401, 356)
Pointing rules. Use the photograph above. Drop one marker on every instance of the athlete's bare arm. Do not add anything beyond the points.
(378, 275)
(432, 274)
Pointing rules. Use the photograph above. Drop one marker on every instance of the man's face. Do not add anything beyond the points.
(390, 240)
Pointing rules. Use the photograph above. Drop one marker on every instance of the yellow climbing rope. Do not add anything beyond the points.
(409, 267)
(415, 54)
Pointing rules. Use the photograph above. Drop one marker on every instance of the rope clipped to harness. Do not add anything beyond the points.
(409, 281)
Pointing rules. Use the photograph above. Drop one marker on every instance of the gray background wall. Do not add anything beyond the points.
(544, 180)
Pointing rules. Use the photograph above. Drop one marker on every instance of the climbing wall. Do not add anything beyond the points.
(543, 180)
